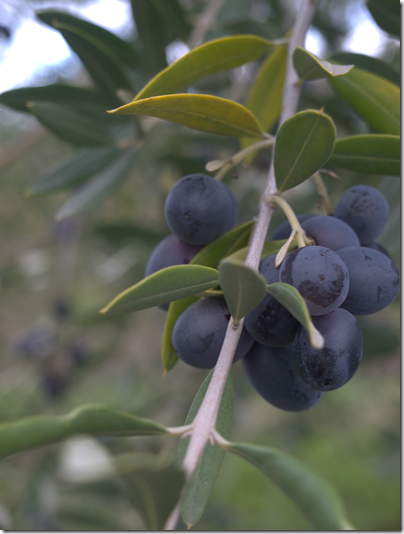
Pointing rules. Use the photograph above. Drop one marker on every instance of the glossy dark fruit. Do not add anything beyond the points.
(199, 333)
(273, 375)
(332, 366)
(330, 232)
(198, 209)
(270, 323)
(374, 280)
(377, 246)
(320, 276)
(365, 209)
(170, 251)
(284, 230)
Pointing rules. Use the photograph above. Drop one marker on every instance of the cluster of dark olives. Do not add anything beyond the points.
(198, 209)
(345, 273)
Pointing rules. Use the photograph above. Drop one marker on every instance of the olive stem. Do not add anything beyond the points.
(322, 192)
(205, 420)
(227, 164)
(293, 221)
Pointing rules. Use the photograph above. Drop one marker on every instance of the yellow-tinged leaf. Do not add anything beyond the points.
(309, 67)
(201, 112)
(265, 97)
(209, 58)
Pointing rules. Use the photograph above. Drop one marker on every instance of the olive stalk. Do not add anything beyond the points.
(203, 427)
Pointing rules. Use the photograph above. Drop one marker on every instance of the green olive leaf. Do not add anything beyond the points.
(224, 246)
(243, 287)
(314, 496)
(201, 112)
(309, 67)
(166, 285)
(100, 60)
(122, 49)
(265, 96)
(386, 14)
(168, 353)
(369, 63)
(209, 58)
(303, 145)
(368, 153)
(74, 170)
(102, 185)
(93, 419)
(204, 479)
(375, 99)
(292, 300)
(76, 97)
(73, 125)
(174, 14)
(151, 27)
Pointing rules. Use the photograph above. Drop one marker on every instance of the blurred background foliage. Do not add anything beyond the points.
(58, 352)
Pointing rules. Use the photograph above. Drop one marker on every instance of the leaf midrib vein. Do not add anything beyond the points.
(300, 153)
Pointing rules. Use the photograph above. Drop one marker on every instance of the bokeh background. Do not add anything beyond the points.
(57, 351)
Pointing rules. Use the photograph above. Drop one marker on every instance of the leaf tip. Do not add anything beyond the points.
(214, 165)
(317, 339)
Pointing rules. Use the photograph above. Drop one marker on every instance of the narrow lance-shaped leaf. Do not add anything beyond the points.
(151, 31)
(309, 67)
(386, 13)
(201, 112)
(314, 496)
(173, 13)
(374, 98)
(369, 153)
(265, 96)
(369, 63)
(223, 246)
(93, 419)
(209, 58)
(109, 40)
(103, 65)
(77, 97)
(209, 256)
(166, 285)
(204, 479)
(74, 170)
(243, 287)
(291, 299)
(72, 125)
(99, 187)
(168, 353)
(303, 144)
